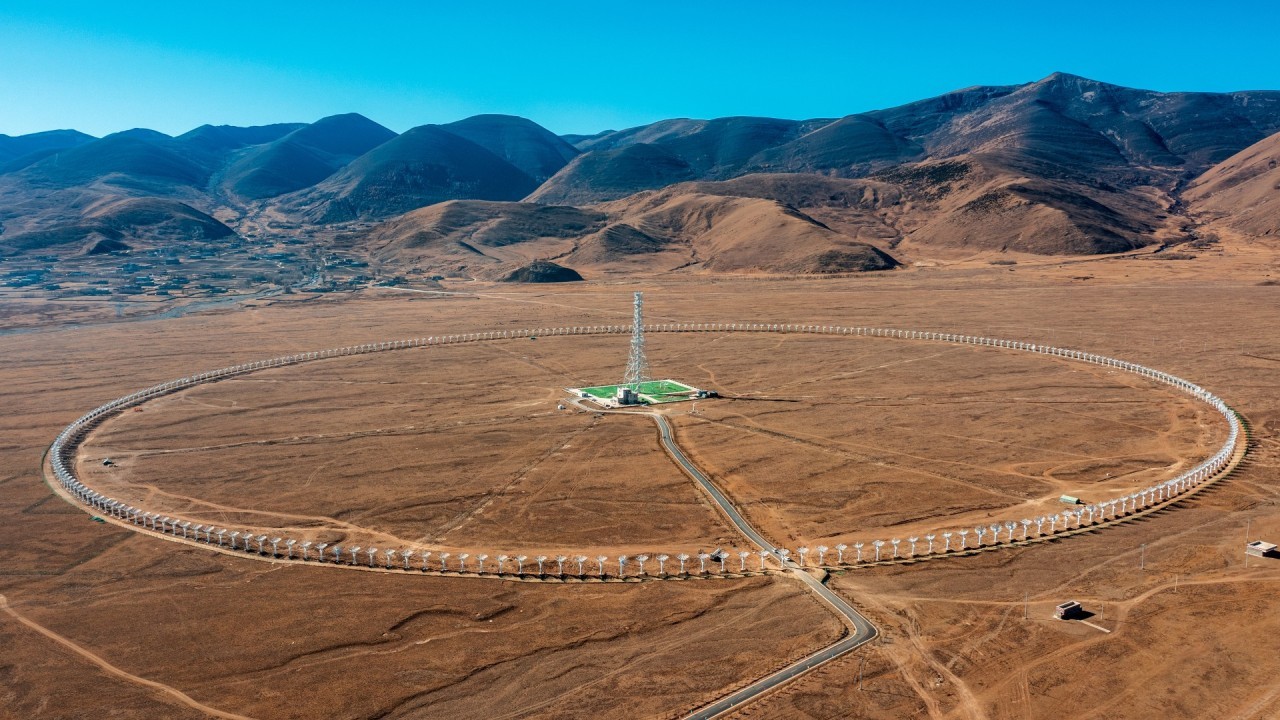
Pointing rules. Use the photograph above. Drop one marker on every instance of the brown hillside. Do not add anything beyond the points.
(865, 210)
(479, 238)
(1060, 128)
(977, 203)
(965, 204)
(1061, 166)
(134, 221)
(647, 232)
(1243, 191)
(732, 234)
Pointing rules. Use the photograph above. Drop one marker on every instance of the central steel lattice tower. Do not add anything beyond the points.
(637, 364)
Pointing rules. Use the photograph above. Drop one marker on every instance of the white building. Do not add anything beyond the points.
(1258, 548)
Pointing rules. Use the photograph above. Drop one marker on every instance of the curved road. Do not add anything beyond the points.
(862, 629)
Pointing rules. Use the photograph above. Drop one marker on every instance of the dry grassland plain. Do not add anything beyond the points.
(462, 447)
(819, 439)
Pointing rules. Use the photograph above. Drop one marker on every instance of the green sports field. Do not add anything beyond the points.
(652, 391)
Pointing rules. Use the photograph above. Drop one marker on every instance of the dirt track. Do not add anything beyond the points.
(98, 660)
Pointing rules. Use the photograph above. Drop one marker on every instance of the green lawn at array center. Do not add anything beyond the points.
(657, 391)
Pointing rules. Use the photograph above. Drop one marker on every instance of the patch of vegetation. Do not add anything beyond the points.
(843, 261)
(935, 174)
(1203, 242)
(625, 239)
(542, 271)
(987, 202)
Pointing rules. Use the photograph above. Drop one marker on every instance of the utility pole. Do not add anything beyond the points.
(1247, 527)
(860, 664)
(1142, 564)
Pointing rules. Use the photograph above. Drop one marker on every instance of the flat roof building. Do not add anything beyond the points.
(1068, 610)
(1258, 548)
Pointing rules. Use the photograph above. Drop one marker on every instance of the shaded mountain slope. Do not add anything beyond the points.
(669, 151)
(141, 160)
(579, 141)
(1069, 126)
(609, 174)
(850, 145)
(425, 165)
(53, 202)
(303, 157)
(225, 138)
(23, 150)
(536, 151)
(1061, 127)
(724, 146)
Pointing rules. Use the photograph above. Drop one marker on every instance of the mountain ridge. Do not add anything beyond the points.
(303, 157)
(422, 166)
(1063, 165)
(1084, 127)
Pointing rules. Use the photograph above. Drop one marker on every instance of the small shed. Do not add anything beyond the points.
(1068, 610)
(1069, 500)
(1259, 548)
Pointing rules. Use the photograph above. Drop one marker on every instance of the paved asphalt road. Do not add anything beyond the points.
(863, 630)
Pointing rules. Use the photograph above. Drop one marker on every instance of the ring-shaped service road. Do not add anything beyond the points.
(858, 630)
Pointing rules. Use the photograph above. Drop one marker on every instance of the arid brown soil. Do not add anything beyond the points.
(877, 439)
(456, 449)
(260, 640)
(463, 447)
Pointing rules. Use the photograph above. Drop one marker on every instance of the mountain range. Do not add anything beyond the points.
(1061, 166)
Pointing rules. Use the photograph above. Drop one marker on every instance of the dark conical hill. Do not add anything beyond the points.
(533, 149)
(425, 165)
(303, 157)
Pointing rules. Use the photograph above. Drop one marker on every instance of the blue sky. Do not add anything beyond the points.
(583, 67)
